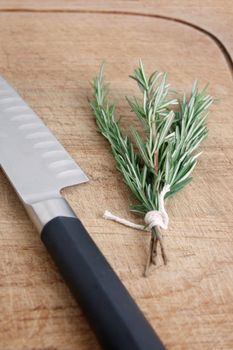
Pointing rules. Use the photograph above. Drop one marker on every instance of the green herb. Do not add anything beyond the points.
(163, 152)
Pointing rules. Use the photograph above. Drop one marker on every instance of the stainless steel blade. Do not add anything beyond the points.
(33, 159)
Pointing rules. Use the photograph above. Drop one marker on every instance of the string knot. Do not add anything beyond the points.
(155, 218)
(152, 218)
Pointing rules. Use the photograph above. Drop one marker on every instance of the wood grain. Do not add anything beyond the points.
(50, 57)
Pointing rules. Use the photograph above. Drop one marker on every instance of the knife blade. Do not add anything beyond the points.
(38, 167)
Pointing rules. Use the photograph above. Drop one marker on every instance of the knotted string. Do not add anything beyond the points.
(154, 218)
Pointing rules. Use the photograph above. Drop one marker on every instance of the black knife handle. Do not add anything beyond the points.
(114, 316)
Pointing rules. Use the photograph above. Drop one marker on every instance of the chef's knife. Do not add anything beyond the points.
(38, 167)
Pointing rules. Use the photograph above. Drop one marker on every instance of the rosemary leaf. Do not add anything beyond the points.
(165, 153)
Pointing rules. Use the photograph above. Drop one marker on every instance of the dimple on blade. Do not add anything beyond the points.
(35, 162)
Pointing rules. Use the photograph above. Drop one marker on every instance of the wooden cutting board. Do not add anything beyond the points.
(49, 53)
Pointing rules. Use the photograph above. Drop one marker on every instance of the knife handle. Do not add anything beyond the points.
(110, 310)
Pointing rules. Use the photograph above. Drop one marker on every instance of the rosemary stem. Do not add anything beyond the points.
(166, 156)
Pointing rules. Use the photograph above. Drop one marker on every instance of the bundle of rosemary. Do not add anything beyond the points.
(158, 161)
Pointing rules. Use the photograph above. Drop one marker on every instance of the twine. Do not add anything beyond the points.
(152, 218)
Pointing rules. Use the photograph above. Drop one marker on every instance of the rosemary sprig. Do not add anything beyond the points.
(163, 152)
